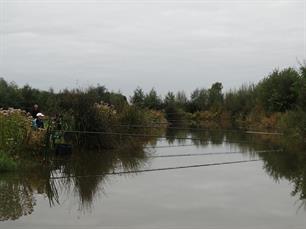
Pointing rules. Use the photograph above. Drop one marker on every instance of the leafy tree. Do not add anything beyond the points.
(138, 97)
(9, 94)
(241, 101)
(182, 100)
(215, 99)
(278, 92)
(169, 99)
(152, 100)
(199, 100)
(173, 111)
(302, 89)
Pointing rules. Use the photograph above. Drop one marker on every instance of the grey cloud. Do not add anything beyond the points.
(177, 46)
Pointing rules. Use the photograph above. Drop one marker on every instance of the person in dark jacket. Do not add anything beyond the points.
(35, 111)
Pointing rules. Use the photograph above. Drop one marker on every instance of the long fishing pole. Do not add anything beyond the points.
(207, 154)
(190, 154)
(157, 169)
(195, 129)
(120, 134)
(168, 146)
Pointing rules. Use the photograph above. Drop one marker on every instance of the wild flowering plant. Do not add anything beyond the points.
(16, 130)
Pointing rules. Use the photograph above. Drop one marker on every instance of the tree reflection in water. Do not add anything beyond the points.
(16, 199)
(17, 191)
(289, 164)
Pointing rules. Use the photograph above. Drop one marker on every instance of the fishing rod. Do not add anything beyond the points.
(196, 129)
(169, 146)
(192, 154)
(157, 169)
(121, 134)
(207, 154)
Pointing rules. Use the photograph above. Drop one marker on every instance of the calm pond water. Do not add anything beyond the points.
(264, 187)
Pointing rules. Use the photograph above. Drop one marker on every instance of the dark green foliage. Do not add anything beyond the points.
(6, 163)
(199, 100)
(152, 100)
(279, 91)
(49, 102)
(92, 110)
(173, 109)
(293, 124)
(138, 98)
(100, 93)
(204, 100)
(240, 102)
(215, 96)
(131, 115)
(301, 101)
(182, 100)
(87, 115)
(9, 94)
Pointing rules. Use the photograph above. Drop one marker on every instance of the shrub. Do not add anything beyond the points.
(6, 163)
(16, 131)
(293, 124)
(15, 128)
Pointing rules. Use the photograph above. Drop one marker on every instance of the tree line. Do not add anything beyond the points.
(279, 98)
(280, 91)
(51, 102)
(273, 101)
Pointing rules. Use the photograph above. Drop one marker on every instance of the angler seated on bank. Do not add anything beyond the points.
(38, 122)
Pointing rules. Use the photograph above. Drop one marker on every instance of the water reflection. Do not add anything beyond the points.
(290, 165)
(18, 191)
(16, 199)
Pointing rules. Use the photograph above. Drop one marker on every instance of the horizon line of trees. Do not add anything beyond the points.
(280, 91)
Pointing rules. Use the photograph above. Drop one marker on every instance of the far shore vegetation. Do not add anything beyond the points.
(275, 104)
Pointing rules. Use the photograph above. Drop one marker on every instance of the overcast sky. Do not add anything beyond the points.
(165, 44)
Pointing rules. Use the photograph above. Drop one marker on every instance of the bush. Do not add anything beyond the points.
(6, 163)
(279, 91)
(293, 124)
(101, 119)
(16, 131)
(15, 128)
